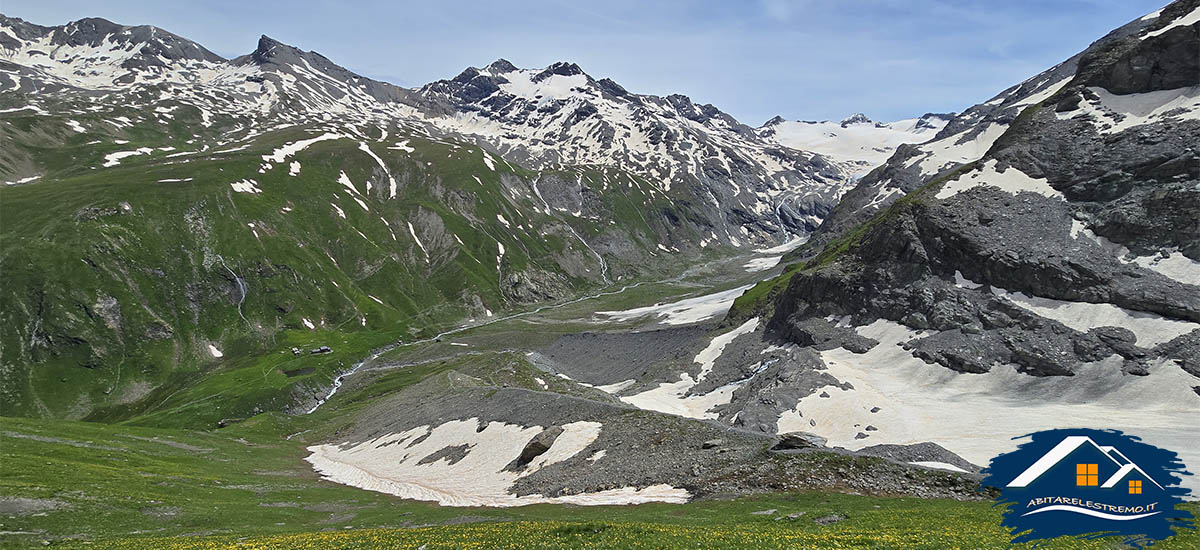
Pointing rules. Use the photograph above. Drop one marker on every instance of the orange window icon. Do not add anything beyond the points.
(1135, 487)
(1087, 475)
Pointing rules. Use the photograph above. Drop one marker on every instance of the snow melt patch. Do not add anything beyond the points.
(1174, 266)
(113, 159)
(413, 232)
(920, 402)
(963, 282)
(386, 172)
(762, 264)
(671, 398)
(1112, 113)
(246, 186)
(345, 181)
(1149, 328)
(1191, 18)
(215, 352)
(938, 465)
(683, 312)
(617, 387)
(22, 180)
(403, 146)
(281, 154)
(294, 168)
(392, 464)
(1010, 180)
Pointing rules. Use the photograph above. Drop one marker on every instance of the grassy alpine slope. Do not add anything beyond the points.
(92, 485)
(190, 271)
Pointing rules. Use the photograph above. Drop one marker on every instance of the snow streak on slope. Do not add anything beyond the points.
(1111, 113)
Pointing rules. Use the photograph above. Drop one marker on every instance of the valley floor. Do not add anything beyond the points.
(127, 485)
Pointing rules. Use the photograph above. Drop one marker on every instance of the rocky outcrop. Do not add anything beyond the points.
(1164, 62)
(1084, 197)
(919, 452)
(535, 448)
(798, 440)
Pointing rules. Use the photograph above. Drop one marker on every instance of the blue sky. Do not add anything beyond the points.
(802, 59)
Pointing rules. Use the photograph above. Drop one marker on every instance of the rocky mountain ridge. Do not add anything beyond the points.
(541, 119)
(1052, 230)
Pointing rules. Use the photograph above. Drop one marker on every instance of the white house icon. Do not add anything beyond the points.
(1069, 445)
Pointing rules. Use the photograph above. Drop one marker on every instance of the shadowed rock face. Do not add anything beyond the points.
(1165, 62)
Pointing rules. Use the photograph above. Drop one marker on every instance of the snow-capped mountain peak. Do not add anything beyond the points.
(857, 141)
(98, 54)
(560, 115)
(547, 118)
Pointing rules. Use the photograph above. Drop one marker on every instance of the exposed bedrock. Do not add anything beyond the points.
(927, 266)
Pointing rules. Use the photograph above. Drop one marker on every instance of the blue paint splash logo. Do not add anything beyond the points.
(1089, 484)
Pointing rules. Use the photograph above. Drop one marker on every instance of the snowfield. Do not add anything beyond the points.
(977, 415)
(404, 464)
(762, 264)
(1010, 180)
(1150, 329)
(856, 141)
(113, 159)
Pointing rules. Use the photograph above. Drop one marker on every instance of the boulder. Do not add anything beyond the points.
(535, 448)
(798, 440)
